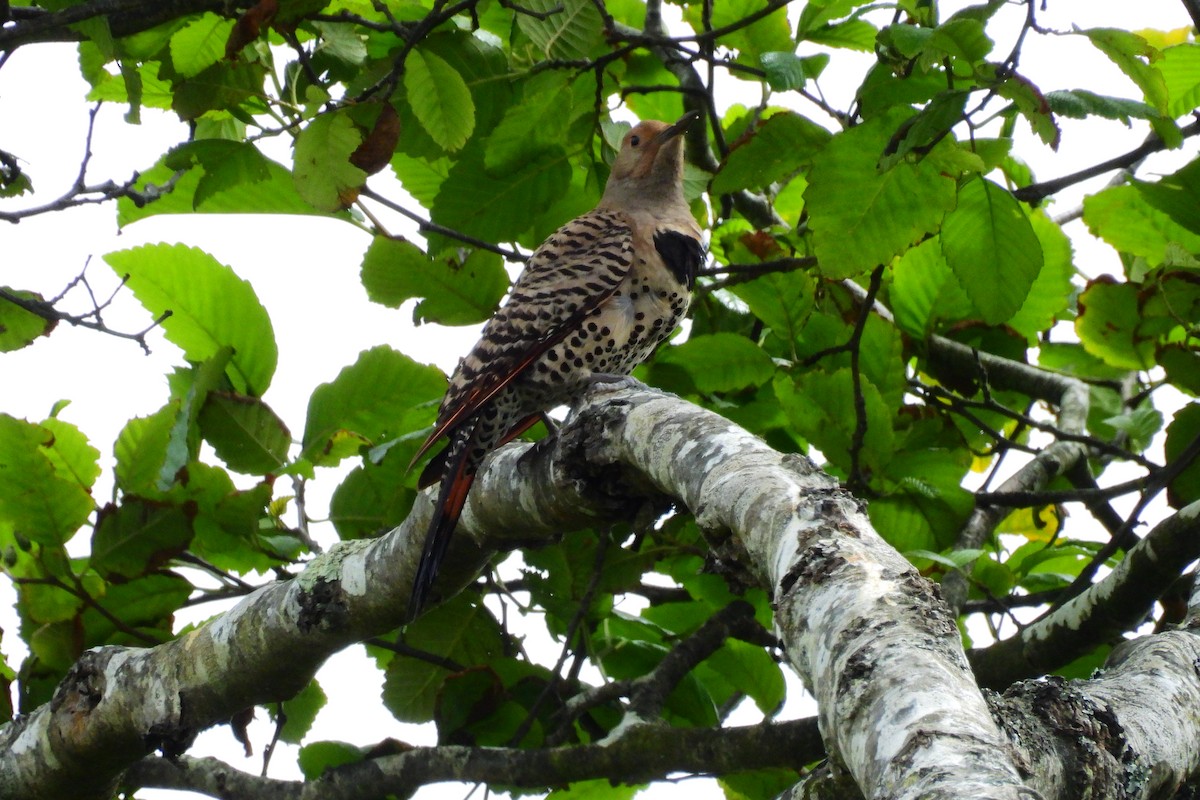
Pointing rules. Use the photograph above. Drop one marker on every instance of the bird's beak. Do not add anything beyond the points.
(681, 125)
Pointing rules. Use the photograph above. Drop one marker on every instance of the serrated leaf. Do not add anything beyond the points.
(19, 327)
(861, 217)
(821, 407)
(1108, 321)
(771, 32)
(440, 98)
(211, 308)
(772, 151)
(200, 44)
(1126, 49)
(991, 248)
(1180, 69)
(462, 630)
(455, 292)
(323, 173)
(247, 435)
(1051, 292)
(1123, 217)
(137, 537)
(71, 454)
(533, 126)
(141, 449)
(1032, 104)
(782, 301)
(566, 29)
(786, 70)
(1080, 103)
(499, 209)
(1176, 195)
(383, 394)
(276, 194)
(721, 362)
(38, 502)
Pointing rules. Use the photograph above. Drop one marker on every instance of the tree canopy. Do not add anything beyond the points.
(908, 430)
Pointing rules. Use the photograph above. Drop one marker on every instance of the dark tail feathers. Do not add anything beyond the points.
(457, 478)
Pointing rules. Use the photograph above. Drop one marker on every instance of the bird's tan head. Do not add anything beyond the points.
(649, 166)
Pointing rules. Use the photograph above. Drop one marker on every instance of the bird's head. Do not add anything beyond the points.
(649, 166)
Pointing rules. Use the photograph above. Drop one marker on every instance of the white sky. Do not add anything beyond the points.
(306, 274)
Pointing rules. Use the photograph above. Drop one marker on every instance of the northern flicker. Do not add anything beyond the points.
(594, 300)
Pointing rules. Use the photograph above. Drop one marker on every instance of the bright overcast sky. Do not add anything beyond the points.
(306, 274)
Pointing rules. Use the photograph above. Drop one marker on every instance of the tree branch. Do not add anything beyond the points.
(1108, 608)
(641, 754)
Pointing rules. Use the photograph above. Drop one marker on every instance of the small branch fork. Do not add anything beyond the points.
(92, 319)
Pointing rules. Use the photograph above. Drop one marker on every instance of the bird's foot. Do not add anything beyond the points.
(612, 382)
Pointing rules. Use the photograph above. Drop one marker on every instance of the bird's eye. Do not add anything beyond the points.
(634, 141)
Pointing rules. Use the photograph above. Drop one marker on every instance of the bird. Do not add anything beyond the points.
(594, 300)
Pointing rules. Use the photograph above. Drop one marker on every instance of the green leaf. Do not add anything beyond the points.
(19, 327)
(775, 149)
(1032, 105)
(569, 29)
(1182, 366)
(961, 38)
(721, 362)
(1176, 195)
(498, 209)
(373, 497)
(1180, 69)
(990, 246)
(323, 173)
(245, 432)
(192, 193)
(749, 670)
(300, 712)
(146, 603)
(455, 292)
(319, 757)
(141, 450)
(786, 70)
(461, 630)
(210, 308)
(440, 98)
(1123, 217)
(769, 33)
(226, 164)
(1051, 292)
(1080, 103)
(599, 789)
(535, 126)
(230, 87)
(862, 217)
(821, 407)
(199, 44)
(383, 394)
(924, 291)
(1181, 434)
(38, 501)
(782, 300)
(137, 537)
(1126, 50)
(1140, 424)
(853, 34)
(1107, 324)
(71, 454)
